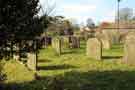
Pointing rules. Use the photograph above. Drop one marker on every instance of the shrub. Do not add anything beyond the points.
(2, 75)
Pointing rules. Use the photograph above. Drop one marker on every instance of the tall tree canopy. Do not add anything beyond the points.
(90, 23)
(18, 21)
(17, 18)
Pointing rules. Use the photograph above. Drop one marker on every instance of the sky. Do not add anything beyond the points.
(81, 10)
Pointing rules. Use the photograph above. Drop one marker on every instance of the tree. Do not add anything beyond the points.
(46, 13)
(90, 23)
(125, 14)
(60, 26)
(18, 17)
(75, 24)
(91, 26)
(2, 74)
(49, 8)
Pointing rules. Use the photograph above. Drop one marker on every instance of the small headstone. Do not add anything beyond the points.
(114, 36)
(129, 49)
(57, 45)
(74, 42)
(46, 40)
(16, 57)
(66, 41)
(106, 43)
(106, 39)
(32, 61)
(94, 49)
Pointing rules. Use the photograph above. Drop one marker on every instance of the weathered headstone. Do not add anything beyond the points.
(74, 42)
(32, 61)
(16, 57)
(106, 39)
(129, 49)
(106, 43)
(32, 54)
(66, 41)
(46, 40)
(57, 45)
(114, 35)
(94, 49)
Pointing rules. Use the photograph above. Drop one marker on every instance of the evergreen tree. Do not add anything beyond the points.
(18, 20)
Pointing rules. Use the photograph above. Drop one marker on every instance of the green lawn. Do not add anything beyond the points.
(73, 70)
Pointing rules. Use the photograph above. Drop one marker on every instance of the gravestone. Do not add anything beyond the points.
(66, 43)
(32, 54)
(16, 57)
(46, 41)
(94, 48)
(57, 45)
(74, 42)
(106, 39)
(129, 49)
(32, 61)
(106, 43)
(114, 36)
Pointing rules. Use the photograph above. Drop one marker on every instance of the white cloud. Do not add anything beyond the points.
(77, 11)
(110, 16)
(83, 9)
(79, 8)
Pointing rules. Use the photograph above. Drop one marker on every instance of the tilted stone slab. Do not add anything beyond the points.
(32, 61)
(129, 49)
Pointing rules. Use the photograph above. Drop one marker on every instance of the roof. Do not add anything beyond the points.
(122, 25)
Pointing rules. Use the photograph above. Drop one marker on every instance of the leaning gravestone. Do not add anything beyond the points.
(106, 39)
(57, 45)
(129, 49)
(32, 61)
(75, 42)
(16, 57)
(32, 54)
(114, 35)
(47, 41)
(66, 41)
(106, 43)
(94, 48)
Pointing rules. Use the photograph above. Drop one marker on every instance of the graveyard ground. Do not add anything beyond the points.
(73, 70)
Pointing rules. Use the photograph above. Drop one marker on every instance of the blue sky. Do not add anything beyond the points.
(98, 10)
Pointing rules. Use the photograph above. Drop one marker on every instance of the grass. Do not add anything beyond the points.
(73, 70)
(17, 72)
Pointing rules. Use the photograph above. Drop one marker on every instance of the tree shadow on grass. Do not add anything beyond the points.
(74, 51)
(111, 57)
(43, 60)
(56, 67)
(92, 80)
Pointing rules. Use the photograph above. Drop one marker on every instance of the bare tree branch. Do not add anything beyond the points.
(48, 8)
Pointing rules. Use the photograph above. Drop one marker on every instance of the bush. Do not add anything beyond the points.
(2, 75)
